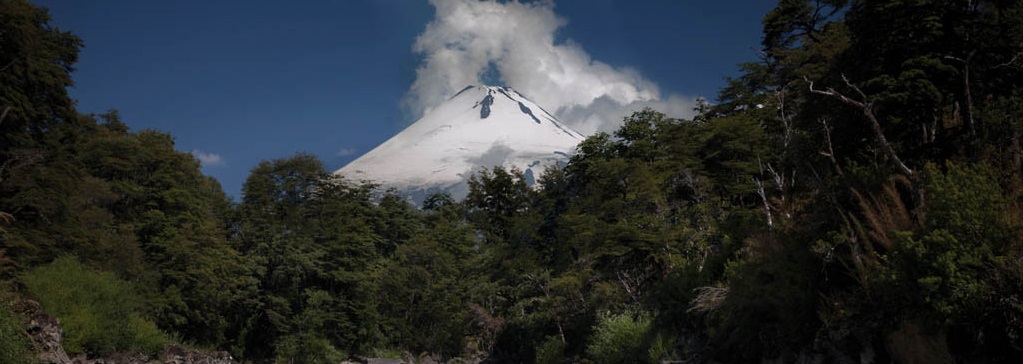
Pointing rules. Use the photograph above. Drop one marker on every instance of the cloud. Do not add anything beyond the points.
(470, 40)
(344, 152)
(208, 159)
(496, 155)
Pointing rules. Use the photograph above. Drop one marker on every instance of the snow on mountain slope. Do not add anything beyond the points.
(480, 126)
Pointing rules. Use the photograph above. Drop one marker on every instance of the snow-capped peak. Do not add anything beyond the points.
(480, 126)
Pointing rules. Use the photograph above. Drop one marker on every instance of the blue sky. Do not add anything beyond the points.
(241, 82)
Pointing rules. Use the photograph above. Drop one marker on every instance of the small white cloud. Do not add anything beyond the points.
(344, 152)
(208, 159)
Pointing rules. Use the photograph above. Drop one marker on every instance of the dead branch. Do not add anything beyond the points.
(763, 194)
(630, 284)
(831, 149)
(785, 119)
(708, 298)
(767, 207)
(1010, 62)
(966, 88)
(779, 181)
(867, 107)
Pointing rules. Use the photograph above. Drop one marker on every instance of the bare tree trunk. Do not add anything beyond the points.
(831, 149)
(561, 331)
(785, 119)
(767, 206)
(969, 96)
(967, 112)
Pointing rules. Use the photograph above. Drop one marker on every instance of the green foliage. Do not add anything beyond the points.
(307, 348)
(662, 349)
(496, 196)
(14, 345)
(313, 241)
(620, 338)
(551, 351)
(179, 243)
(768, 307)
(98, 312)
(968, 202)
(36, 59)
(772, 227)
(422, 292)
(945, 266)
(425, 286)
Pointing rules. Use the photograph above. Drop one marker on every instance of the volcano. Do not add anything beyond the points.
(479, 127)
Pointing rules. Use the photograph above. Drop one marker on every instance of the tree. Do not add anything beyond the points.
(35, 70)
(312, 241)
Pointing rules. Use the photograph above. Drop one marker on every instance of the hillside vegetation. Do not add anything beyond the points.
(854, 196)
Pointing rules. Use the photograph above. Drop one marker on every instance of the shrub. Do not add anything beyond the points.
(662, 348)
(99, 313)
(307, 348)
(551, 351)
(620, 338)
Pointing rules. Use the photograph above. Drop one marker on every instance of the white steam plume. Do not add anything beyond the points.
(470, 37)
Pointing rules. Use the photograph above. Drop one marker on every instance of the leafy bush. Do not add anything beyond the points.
(98, 312)
(551, 351)
(662, 348)
(620, 338)
(946, 267)
(307, 348)
(14, 347)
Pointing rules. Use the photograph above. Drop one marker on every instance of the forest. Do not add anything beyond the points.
(853, 196)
